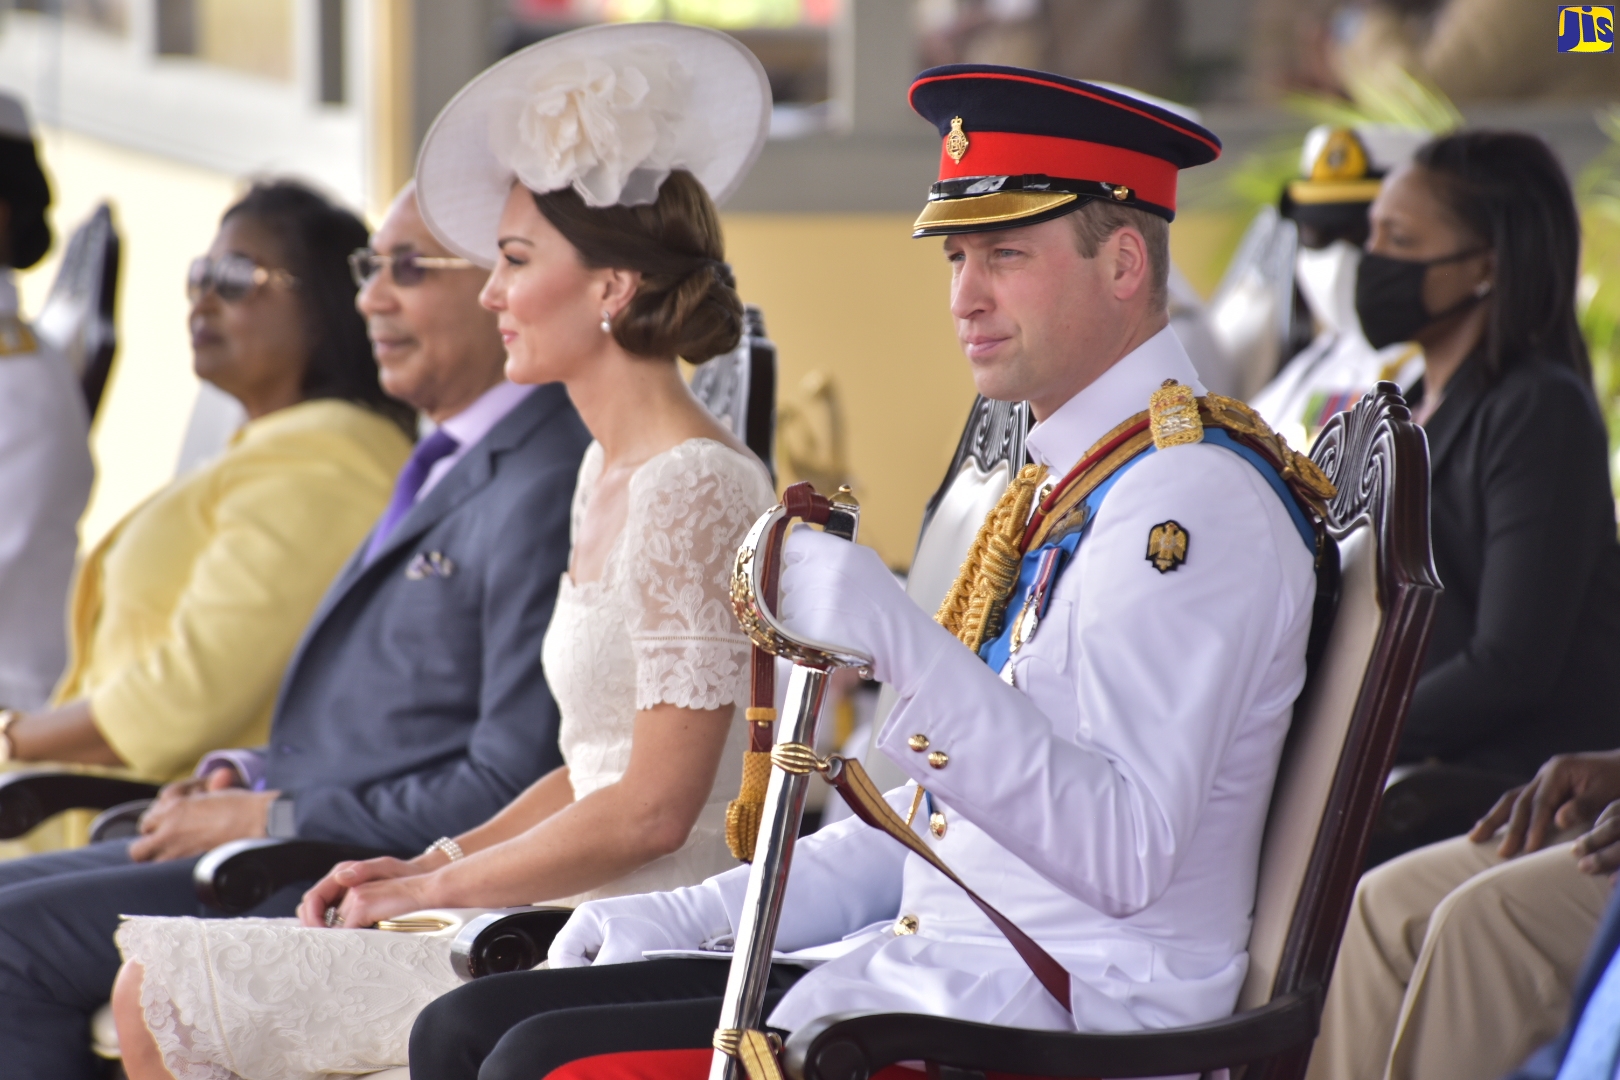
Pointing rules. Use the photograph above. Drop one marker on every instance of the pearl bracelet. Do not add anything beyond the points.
(451, 849)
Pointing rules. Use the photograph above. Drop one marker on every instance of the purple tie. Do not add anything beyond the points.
(438, 445)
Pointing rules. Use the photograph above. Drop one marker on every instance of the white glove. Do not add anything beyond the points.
(619, 929)
(841, 593)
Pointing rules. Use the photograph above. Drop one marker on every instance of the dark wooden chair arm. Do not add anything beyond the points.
(29, 797)
(239, 876)
(856, 1047)
(1423, 804)
(507, 939)
(121, 822)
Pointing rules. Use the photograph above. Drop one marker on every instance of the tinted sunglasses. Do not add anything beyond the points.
(231, 277)
(408, 268)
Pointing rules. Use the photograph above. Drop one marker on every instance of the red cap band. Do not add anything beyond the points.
(1002, 153)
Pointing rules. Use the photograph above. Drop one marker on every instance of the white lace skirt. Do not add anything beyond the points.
(271, 999)
(268, 999)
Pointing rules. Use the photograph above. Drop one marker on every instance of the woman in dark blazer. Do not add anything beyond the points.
(1473, 255)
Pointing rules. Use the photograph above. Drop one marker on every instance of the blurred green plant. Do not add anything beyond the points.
(1386, 95)
(1597, 190)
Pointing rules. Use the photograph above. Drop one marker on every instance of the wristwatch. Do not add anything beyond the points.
(281, 822)
(7, 718)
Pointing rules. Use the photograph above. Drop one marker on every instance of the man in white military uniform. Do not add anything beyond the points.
(1110, 801)
(45, 469)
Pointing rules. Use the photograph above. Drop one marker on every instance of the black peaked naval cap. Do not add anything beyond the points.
(1020, 146)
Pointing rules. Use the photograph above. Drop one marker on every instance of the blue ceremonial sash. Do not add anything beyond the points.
(1054, 557)
(1307, 531)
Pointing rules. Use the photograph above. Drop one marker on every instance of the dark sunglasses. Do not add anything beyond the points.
(231, 277)
(408, 268)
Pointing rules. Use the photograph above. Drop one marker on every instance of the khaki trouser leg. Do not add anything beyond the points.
(1382, 940)
(1494, 978)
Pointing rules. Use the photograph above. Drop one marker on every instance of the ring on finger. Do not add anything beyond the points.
(333, 918)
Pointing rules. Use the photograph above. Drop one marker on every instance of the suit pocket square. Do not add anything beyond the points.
(429, 564)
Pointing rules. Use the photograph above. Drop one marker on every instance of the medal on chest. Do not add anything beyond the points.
(1049, 560)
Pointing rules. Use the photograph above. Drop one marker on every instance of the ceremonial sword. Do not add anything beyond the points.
(754, 575)
(739, 1041)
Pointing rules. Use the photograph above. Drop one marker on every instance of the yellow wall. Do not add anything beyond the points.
(856, 297)
(1202, 243)
(254, 37)
(166, 213)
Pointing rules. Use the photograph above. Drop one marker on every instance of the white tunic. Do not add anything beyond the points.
(1112, 805)
(45, 477)
(1328, 376)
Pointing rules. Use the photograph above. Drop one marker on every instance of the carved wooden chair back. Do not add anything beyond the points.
(1348, 718)
(739, 388)
(77, 316)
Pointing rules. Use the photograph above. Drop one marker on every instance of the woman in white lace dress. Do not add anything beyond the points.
(645, 659)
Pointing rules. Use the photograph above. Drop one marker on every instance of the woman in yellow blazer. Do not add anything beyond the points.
(183, 619)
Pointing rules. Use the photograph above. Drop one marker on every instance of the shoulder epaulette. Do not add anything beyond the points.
(1297, 470)
(1173, 416)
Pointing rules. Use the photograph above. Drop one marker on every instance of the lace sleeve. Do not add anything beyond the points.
(689, 511)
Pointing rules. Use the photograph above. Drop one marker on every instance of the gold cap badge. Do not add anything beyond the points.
(1339, 173)
(956, 143)
(1342, 158)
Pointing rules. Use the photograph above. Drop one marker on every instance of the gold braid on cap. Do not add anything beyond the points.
(973, 608)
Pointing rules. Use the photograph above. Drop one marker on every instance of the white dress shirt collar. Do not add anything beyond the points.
(1118, 393)
(471, 424)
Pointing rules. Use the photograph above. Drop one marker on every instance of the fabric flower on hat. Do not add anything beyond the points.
(600, 125)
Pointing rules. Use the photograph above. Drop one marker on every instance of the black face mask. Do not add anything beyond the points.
(1389, 297)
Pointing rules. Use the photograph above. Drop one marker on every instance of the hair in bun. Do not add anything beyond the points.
(687, 304)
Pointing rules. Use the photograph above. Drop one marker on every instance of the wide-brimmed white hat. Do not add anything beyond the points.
(608, 110)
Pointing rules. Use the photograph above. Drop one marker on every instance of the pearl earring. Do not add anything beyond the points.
(1482, 290)
(607, 325)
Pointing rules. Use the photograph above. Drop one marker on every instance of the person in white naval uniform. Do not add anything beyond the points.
(1341, 171)
(45, 468)
(1110, 802)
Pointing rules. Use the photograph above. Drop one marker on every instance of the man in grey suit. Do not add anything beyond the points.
(415, 706)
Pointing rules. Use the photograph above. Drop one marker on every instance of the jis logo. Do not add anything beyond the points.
(1587, 29)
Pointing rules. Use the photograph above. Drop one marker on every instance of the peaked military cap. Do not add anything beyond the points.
(1020, 147)
(1345, 167)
